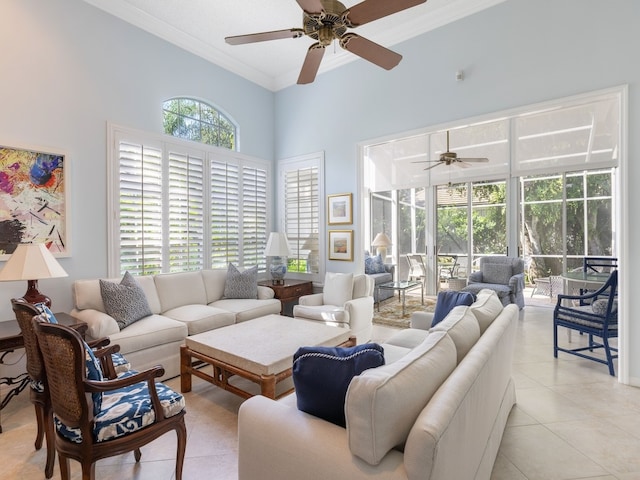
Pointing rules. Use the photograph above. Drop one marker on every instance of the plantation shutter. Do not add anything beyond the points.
(140, 202)
(301, 217)
(186, 212)
(225, 214)
(254, 215)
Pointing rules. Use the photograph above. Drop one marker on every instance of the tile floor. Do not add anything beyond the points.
(572, 421)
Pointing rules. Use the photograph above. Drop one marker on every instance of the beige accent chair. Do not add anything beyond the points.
(346, 301)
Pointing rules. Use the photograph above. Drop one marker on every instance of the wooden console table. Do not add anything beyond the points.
(11, 339)
(290, 291)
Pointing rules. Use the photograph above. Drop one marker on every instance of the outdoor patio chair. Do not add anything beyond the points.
(596, 315)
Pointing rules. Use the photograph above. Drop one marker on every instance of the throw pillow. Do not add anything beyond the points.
(126, 301)
(338, 288)
(46, 311)
(447, 299)
(241, 284)
(321, 376)
(499, 273)
(373, 265)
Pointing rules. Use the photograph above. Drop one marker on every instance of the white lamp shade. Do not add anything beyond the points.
(277, 245)
(381, 240)
(311, 243)
(31, 261)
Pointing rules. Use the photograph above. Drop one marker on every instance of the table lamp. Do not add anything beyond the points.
(311, 244)
(32, 262)
(278, 249)
(381, 242)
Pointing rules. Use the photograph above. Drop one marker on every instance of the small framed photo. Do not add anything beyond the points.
(340, 209)
(341, 245)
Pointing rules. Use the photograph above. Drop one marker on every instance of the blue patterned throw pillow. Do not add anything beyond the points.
(321, 376)
(373, 265)
(126, 301)
(241, 284)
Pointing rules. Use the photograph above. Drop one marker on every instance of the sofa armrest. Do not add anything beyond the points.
(516, 283)
(265, 293)
(390, 268)
(421, 320)
(360, 312)
(295, 444)
(99, 324)
(475, 277)
(315, 299)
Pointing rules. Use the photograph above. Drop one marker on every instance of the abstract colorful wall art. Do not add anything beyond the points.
(33, 200)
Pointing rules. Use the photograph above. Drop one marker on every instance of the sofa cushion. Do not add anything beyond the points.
(447, 299)
(150, 332)
(241, 284)
(247, 308)
(322, 313)
(407, 337)
(214, 281)
(486, 308)
(321, 376)
(462, 326)
(374, 265)
(178, 289)
(126, 302)
(338, 288)
(499, 273)
(201, 318)
(599, 307)
(383, 403)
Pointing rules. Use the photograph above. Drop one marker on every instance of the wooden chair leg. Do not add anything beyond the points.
(64, 467)
(181, 432)
(137, 454)
(40, 424)
(49, 434)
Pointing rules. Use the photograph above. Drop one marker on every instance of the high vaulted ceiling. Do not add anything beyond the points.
(200, 26)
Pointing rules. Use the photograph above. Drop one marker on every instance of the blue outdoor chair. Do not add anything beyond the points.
(596, 314)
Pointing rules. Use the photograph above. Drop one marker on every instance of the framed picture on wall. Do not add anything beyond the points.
(340, 209)
(33, 200)
(341, 245)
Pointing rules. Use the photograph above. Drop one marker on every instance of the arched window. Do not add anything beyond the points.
(198, 121)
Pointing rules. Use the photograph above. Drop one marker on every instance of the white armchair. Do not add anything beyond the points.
(346, 301)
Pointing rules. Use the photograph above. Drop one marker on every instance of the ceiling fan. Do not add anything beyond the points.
(328, 20)
(451, 158)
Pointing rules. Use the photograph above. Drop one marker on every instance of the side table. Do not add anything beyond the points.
(290, 291)
(11, 339)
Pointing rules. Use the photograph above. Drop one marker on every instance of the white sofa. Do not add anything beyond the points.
(436, 410)
(346, 301)
(181, 304)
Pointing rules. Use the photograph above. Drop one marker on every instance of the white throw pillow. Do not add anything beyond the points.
(486, 308)
(338, 288)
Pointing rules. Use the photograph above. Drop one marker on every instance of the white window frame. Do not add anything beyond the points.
(167, 143)
(296, 163)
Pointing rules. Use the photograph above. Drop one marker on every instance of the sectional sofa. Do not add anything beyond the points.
(181, 304)
(435, 411)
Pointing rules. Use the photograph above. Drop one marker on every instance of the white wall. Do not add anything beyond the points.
(517, 53)
(66, 69)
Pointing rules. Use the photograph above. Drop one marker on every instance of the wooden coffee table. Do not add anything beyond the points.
(260, 350)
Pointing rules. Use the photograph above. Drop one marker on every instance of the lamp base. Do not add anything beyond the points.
(278, 269)
(33, 296)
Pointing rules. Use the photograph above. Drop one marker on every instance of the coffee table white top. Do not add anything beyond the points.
(265, 345)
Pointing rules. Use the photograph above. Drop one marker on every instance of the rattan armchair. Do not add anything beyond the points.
(39, 393)
(96, 419)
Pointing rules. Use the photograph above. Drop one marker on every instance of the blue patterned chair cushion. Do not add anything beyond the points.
(43, 309)
(241, 284)
(94, 372)
(126, 301)
(126, 410)
(120, 363)
(599, 307)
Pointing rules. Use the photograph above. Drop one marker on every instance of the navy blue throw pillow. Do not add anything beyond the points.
(321, 376)
(447, 299)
